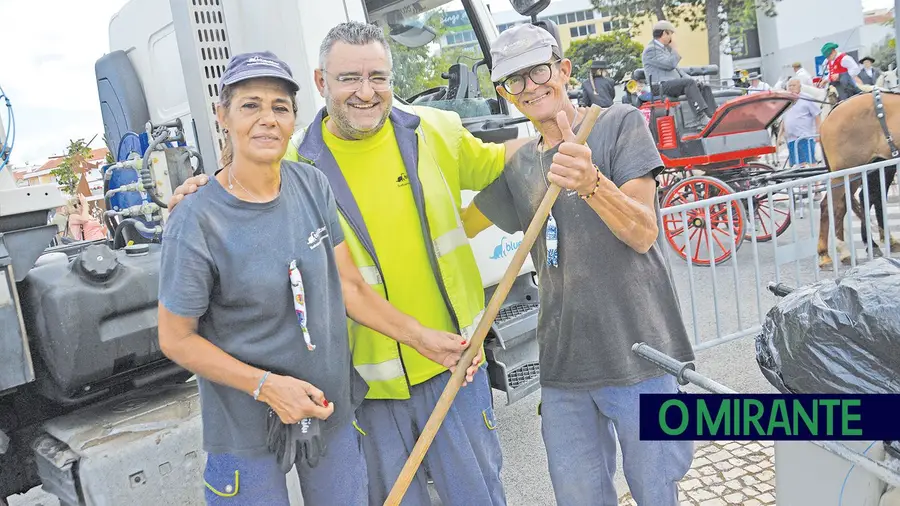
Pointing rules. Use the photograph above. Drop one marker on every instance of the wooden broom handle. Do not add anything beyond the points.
(490, 313)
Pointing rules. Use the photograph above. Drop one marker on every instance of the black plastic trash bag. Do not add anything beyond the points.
(836, 336)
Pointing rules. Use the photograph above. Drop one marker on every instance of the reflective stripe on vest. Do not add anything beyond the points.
(451, 240)
(469, 330)
(371, 275)
(383, 371)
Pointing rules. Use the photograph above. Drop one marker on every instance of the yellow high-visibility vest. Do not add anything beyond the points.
(441, 158)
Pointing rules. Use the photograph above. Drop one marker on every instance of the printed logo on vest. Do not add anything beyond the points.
(402, 180)
(316, 237)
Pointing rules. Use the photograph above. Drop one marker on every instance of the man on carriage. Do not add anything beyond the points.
(843, 72)
(660, 60)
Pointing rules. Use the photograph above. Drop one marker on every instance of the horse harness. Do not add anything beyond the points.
(879, 113)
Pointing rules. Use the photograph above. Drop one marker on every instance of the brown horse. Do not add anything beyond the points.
(851, 135)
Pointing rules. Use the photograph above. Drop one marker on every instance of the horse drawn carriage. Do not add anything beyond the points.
(726, 156)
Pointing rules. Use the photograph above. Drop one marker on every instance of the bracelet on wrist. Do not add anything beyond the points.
(596, 186)
(259, 387)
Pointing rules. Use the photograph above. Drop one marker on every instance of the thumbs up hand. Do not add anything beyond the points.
(572, 167)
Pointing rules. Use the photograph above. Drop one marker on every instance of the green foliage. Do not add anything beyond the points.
(739, 14)
(69, 171)
(621, 52)
(66, 177)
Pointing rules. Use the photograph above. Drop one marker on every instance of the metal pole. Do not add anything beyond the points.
(897, 32)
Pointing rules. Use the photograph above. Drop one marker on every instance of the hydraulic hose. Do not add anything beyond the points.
(196, 154)
(119, 239)
(10, 135)
(146, 177)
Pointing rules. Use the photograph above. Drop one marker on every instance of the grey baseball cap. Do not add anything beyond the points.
(665, 26)
(259, 64)
(521, 47)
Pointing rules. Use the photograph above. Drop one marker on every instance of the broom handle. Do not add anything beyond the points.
(490, 313)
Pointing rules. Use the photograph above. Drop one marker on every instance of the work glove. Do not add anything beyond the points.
(291, 442)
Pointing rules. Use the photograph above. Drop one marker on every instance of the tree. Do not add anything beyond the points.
(68, 172)
(885, 53)
(739, 14)
(616, 48)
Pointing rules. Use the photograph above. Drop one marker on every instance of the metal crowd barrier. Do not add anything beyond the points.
(727, 300)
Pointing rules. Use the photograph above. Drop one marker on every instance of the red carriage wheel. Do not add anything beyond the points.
(767, 210)
(769, 214)
(706, 229)
(668, 177)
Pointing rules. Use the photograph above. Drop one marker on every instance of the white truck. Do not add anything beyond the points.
(89, 407)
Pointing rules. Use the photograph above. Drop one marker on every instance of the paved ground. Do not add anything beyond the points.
(737, 472)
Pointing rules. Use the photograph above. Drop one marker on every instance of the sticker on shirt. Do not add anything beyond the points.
(299, 296)
(316, 237)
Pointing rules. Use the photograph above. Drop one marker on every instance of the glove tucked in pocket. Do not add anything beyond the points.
(289, 442)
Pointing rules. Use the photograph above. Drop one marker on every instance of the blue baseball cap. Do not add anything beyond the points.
(259, 64)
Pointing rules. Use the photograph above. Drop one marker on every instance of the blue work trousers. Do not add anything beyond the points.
(464, 459)
(580, 429)
(339, 477)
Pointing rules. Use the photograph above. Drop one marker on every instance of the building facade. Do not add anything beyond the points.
(797, 33)
(41, 174)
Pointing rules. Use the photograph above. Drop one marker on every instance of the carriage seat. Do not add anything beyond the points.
(703, 70)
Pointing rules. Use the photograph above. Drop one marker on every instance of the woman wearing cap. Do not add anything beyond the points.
(255, 287)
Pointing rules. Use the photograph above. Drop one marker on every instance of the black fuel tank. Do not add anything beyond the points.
(92, 321)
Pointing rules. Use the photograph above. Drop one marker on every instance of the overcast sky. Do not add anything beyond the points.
(47, 69)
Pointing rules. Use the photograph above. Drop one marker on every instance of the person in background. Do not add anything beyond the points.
(660, 60)
(60, 218)
(800, 127)
(869, 75)
(598, 88)
(843, 72)
(84, 226)
(604, 280)
(256, 284)
(757, 85)
(802, 74)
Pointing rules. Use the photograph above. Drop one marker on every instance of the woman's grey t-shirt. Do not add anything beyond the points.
(226, 261)
(603, 297)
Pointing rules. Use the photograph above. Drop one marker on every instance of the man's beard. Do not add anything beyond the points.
(345, 126)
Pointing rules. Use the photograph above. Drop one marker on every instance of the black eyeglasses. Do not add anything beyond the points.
(539, 74)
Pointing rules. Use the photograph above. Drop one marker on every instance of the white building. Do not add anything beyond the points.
(797, 34)
(878, 26)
